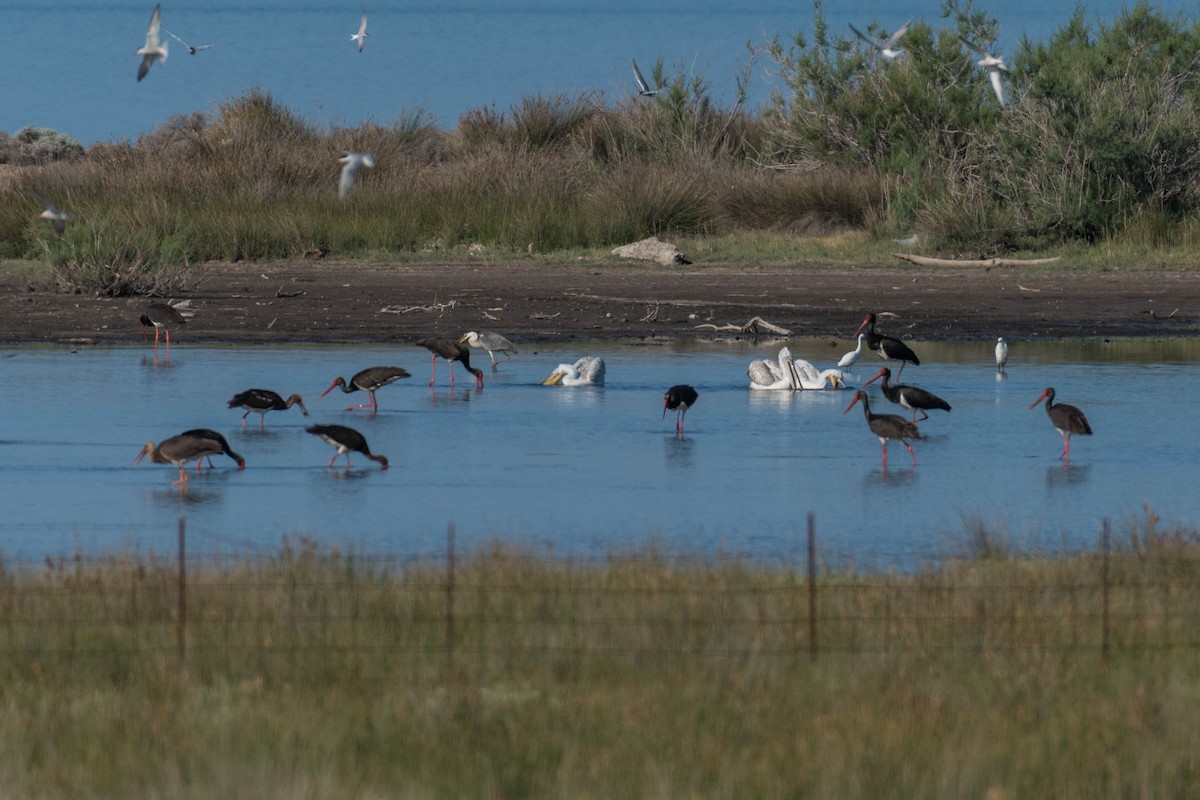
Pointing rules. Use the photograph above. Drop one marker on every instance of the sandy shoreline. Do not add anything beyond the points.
(376, 302)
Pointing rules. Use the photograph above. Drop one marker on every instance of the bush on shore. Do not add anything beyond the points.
(1097, 140)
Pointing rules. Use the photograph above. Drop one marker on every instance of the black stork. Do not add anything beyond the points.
(260, 401)
(910, 397)
(193, 444)
(886, 347)
(1066, 420)
(679, 399)
(451, 351)
(368, 380)
(345, 440)
(162, 316)
(886, 426)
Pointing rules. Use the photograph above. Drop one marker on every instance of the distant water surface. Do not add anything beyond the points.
(71, 65)
(593, 470)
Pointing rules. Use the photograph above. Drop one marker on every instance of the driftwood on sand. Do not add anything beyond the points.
(987, 263)
(756, 326)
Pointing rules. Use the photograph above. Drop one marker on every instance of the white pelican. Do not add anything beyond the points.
(992, 64)
(886, 48)
(192, 49)
(351, 163)
(790, 374)
(58, 218)
(153, 50)
(361, 36)
(1001, 354)
(644, 89)
(587, 371)
(492, 342)
(850, 359)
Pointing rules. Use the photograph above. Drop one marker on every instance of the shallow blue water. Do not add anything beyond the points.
(593, 470)
(71, 65)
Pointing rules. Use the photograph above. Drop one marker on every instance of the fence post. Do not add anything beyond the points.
(450, 600)
(812, 586)
(181, 620)
(1104, 590)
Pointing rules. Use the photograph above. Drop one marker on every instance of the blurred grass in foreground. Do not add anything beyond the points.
(318, 673)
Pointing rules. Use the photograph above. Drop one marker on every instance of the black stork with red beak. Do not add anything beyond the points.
(345, 440)
(910, 397)
(368, 380)
(162, 316)
(679, 399)
(260, 401)
(1066, 420)
(452, 351)
(886, 426)
(886, 347)
(194, 444)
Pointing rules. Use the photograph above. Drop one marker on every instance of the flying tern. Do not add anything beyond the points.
(886, 48)
(992, 64)
(153, 50)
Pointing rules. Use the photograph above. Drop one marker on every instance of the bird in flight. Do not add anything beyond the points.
(153, 50)
(886, 48)
(58, 218)
(992, 64)
(644, 89)
(351, 163)
(192, 49)
(361, 36)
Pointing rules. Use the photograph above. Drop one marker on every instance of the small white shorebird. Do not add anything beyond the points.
(361, 36)
(153, 50)
(992, 64)
(886, 48)
(644, 89)
(587, 371)
(192, 49)
(850, 359)
(492, 342)
(1001, 354)
(58, 218)
(351, 163)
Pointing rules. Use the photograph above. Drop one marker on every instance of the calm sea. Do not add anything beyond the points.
(71, 65)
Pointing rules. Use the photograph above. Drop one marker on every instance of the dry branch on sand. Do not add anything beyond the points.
(756, 326)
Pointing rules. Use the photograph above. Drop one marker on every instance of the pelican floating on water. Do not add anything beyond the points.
(587, 371)
(791, 374)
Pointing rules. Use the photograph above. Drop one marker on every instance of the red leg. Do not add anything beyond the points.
(335, 455)
(183, 478)
(884, 446)
(432, 370)
(911, 453)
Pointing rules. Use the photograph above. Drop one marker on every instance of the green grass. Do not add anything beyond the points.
(321, 673)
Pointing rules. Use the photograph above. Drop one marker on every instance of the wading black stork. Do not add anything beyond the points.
(194, 444)
(345, 440)
(162, 316)
(451, 351)
(368, 380)
(1066, 420)
(260, 401)
(679, 399)
(887, 347)
(886, 426)
(910, 397)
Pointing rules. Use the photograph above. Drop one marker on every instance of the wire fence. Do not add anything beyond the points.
(304, 605)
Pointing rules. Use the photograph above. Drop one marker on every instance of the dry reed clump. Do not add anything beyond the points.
(805, 202)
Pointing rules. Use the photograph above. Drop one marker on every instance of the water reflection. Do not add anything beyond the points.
(490, 459)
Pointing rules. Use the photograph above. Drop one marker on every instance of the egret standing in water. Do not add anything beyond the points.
(1001, 354)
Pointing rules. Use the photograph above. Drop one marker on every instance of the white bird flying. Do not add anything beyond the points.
(644, 89)
(886, 48)
(361, 36)
(992, 64)
(1001, 354)
(153, 50)
(192, 49)
(351, 163)
(587, 371)
(492, 342)
(850, 359)
(58, 218)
